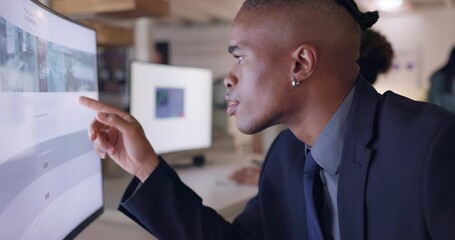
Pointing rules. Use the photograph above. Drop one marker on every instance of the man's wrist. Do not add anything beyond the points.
(147, 169)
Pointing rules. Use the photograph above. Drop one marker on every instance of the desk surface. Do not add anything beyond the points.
(210, 182)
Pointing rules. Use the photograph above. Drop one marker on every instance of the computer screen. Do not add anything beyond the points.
(50, 177)
(173, 104)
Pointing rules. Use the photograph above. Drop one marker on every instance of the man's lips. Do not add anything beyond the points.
(231, 106)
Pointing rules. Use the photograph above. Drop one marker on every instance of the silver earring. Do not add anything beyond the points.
(294, 82)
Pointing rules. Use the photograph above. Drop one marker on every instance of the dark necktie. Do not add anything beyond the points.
(313, 190)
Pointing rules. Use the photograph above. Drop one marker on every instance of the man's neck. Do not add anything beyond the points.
(317, 113)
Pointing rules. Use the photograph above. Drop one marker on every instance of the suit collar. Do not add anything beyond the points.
(362, 115)
(355, 162)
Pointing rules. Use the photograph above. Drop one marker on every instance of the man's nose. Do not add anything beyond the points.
(229, 81)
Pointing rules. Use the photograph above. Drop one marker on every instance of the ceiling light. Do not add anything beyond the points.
(389, 5)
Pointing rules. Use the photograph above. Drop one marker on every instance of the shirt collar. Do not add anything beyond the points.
(327, 149)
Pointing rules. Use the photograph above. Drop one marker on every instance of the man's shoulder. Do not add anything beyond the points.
(401, 106)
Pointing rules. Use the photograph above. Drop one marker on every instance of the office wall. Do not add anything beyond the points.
(422, 41)
(198, 46)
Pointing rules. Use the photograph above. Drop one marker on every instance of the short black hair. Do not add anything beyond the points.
(364, 19)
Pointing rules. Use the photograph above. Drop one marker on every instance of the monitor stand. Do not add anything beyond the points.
(186, 159)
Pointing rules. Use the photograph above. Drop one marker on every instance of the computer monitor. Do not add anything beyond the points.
(173, 104)
(50, 177)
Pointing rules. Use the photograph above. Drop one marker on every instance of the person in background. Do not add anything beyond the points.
(387, 161)
(247, 175)
(442, 85)
(376, 56)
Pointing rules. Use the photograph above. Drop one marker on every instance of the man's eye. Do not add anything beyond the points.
(239, 58)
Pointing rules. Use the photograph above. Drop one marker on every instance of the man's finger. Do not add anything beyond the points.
(94, 129)
(115, 121)
(99, 106)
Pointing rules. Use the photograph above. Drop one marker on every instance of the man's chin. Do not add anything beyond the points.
(251, 129)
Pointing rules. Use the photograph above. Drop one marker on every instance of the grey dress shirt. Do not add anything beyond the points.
(326, 152)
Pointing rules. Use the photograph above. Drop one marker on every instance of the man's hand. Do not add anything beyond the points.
(246, 175)
(119, 135)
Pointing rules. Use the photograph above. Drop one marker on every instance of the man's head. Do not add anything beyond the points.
(314, 43)
(364, 19)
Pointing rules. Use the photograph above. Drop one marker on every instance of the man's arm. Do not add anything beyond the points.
(167, 208)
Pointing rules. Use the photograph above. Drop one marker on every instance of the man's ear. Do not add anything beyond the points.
(305, 57)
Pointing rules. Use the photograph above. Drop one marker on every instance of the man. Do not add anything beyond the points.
(387, 162)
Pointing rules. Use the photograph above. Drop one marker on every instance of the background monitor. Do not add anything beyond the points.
(50, 177)
(173, 104)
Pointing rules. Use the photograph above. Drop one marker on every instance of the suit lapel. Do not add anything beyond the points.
(355, 162)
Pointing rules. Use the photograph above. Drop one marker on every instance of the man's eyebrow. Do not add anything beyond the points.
(233, 48)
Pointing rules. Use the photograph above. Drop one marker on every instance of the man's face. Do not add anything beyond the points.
(259, 82)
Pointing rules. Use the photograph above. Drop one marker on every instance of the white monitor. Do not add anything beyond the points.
(173, 104)
(50, 177)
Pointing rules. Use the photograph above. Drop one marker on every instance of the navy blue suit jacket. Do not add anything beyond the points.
(397, 181)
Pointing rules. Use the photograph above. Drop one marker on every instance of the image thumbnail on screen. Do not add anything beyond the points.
(169, 102)
(29, 63)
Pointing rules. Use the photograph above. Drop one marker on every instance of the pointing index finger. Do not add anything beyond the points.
(99, 106)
